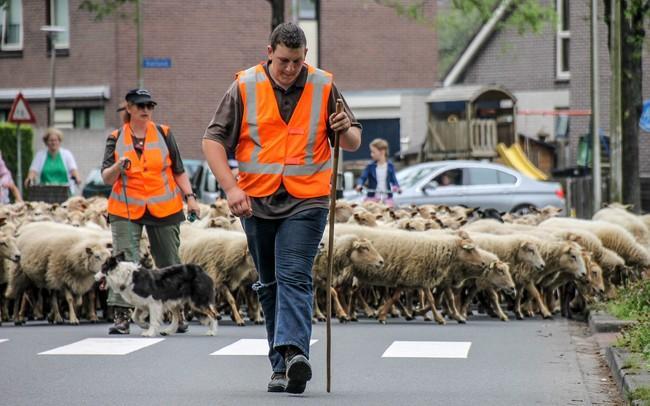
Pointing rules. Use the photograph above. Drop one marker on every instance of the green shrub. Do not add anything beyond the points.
(8, 142)
(632, 302)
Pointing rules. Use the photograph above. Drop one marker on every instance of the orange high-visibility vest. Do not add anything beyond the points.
(149, 182)
(271, 151)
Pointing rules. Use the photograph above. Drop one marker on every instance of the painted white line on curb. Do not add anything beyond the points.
(427, 349)
(248, 346)
(103, 346)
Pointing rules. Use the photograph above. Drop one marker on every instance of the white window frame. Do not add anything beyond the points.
(559, 46)
(58, 44)
(11, 47)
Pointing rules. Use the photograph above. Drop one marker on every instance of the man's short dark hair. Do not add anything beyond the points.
(289, 35)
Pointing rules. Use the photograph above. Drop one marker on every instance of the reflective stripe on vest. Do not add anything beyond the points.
(171, 195)
(320, 82)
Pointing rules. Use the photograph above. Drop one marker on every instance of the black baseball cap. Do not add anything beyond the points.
(136, 96)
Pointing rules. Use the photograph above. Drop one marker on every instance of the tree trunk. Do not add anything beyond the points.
(277, 13)
(632, 100)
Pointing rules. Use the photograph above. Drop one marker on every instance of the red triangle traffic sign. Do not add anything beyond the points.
(20, 111)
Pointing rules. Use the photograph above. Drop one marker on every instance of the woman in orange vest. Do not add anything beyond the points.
(150, 194)
(278, 118)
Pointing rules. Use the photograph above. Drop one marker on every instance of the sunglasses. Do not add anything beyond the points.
(149, 106)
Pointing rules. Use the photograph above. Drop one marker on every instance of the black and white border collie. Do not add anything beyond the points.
(156, 291)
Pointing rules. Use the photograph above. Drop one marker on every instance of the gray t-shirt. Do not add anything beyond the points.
(225, 129)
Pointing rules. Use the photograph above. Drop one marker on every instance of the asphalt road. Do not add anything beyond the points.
(531, 362)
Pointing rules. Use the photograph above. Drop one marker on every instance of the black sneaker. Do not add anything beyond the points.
(278, 382)
(121, 321)
(298, 373)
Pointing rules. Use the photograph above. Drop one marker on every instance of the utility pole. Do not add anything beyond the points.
(138, 20)
(616, 118)
(595, 109)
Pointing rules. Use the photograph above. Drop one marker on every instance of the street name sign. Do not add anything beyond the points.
(644, 122)
(157, 63)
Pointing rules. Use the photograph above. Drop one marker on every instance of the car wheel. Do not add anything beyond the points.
(523, 209)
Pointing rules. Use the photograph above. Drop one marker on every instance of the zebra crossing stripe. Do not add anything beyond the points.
(2, 340)
(248, 346)
(428, 349)
(103, 346)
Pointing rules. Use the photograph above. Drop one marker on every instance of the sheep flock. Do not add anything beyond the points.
(437, 262)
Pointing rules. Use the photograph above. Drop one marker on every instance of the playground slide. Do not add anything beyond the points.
(515, 157)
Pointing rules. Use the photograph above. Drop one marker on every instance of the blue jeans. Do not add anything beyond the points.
(283, 251)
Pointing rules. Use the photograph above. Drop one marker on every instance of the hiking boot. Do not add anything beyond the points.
(121, 320)
(278, 382)
(298, 370)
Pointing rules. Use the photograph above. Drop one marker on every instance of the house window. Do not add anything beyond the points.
(60, 16)
(307, 10)
(11, 26)
(88, 118)
(563, 39)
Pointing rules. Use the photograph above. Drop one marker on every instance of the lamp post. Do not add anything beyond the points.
(51, 31)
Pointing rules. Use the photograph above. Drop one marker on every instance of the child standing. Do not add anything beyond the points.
(379, 176)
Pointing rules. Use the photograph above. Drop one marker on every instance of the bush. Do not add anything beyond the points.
(633, 302)
(8, 147)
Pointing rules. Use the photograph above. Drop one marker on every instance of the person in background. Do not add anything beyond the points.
(7, 184)
(142, 160)
(379, 176)
(54, 165)
(282, 144)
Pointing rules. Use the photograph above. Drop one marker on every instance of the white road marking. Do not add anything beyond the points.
(2, 340)
(103, 346)
(248, 346)
(427, 349)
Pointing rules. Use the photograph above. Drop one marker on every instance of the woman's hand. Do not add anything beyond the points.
(239, 202)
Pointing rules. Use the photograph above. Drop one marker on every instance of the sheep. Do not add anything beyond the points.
(348, 250)
(412, 260)
(627, 220)
(612, 236)
(67, 262)
(223, 255)
(364, 218)
(9, 256)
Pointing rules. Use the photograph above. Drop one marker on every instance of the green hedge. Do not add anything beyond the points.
(8, 147)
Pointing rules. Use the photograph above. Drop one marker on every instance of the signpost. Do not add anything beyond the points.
(644, 122)
(20, 113)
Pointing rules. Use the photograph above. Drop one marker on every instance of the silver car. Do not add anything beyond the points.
(473, 184)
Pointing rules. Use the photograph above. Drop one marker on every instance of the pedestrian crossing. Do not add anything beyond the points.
(252, 347)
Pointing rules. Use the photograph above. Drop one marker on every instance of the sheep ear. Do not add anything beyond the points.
(89, 251)
(213, 206)
(379, 216)
(467, 246)
(493, 265)
(356, 245)
(356, 216)
(463, 234)
(109, 245)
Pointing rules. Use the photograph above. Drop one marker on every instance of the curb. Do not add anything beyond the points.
(628, 379)
(601, 322)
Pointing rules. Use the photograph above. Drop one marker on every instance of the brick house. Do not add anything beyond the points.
(547, 71)
(385, 74)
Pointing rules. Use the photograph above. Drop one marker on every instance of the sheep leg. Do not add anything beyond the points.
(72, 315)
(451, 303)
(352, 304)
(340, 313)
(317, 314)
(340, 295)
(518, 314)
(388, 305)
(253, 305)
(91, 304)
(234, 311)
(464, 308)
(432, 302)
(38, 305)
(496, 306)
(532, 289)
(55, 313)
(367, 309)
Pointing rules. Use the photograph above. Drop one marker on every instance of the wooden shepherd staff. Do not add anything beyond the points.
(330, 249)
